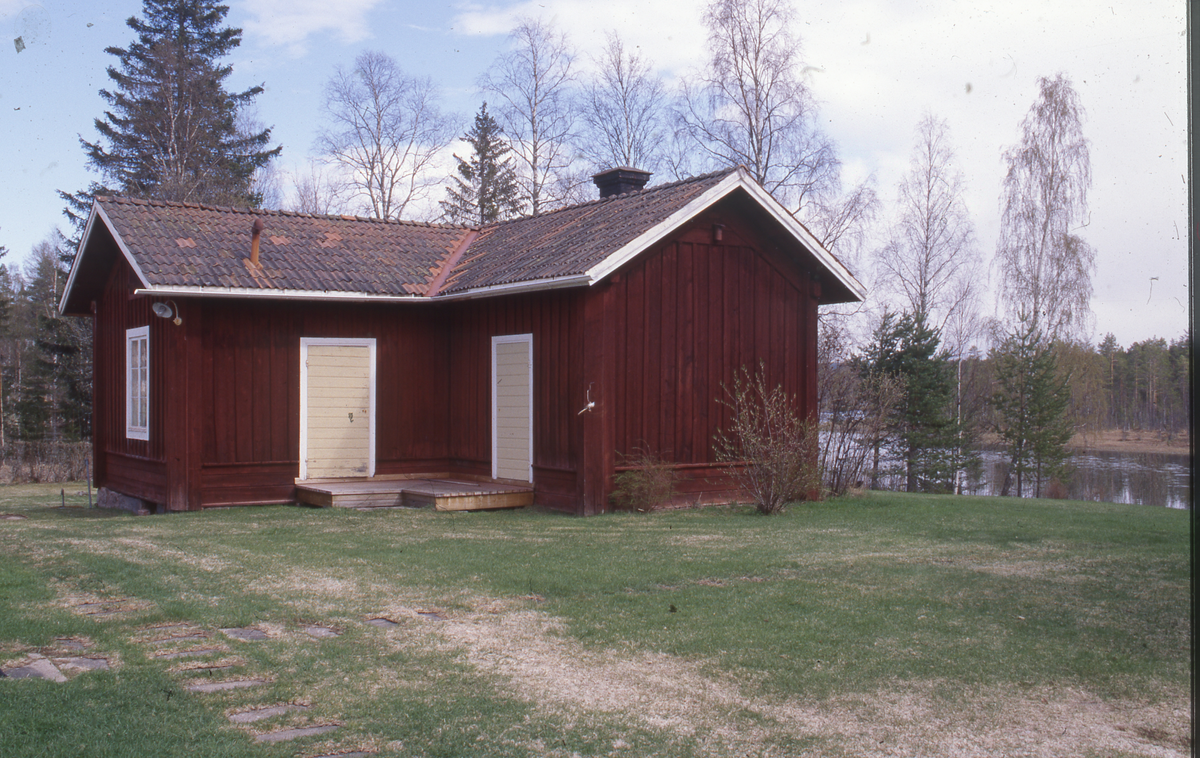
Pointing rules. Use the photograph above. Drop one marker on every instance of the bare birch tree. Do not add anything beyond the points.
(1045, 267)
(931, 260)
(386, 131)
(625, 108)
(750, 106)
(317, 190)
(530, 86)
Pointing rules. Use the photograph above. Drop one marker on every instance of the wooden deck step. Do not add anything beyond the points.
(442, 494)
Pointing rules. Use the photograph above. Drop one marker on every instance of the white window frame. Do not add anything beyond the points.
(137, 386)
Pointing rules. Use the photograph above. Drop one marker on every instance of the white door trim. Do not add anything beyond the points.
(305, 342)
(499, 340)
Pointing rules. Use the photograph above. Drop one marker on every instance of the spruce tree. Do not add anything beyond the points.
(923, 432)
(1031, 406)
(486, 189)
(171, 129)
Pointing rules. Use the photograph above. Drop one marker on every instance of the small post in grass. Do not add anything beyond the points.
(88, 474)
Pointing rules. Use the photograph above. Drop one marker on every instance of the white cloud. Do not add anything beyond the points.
(669, 34)
(290, 23)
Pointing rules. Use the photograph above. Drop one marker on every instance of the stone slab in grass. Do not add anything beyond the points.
(11, 517)
(431, 615)
(321, 632)
(70, 643)
(246, 634)
(222, 686)
(213, 667)
(187, 653)
(354, 754)
(383, 623)
(291, 734)
(84, 664)
(37, 668)
(258, 714)
(181, 638)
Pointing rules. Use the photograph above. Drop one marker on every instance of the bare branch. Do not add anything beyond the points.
(386, 131)
(1045, 268)
(931, 260)
(751, 107)
(530, 86)
(625, 111)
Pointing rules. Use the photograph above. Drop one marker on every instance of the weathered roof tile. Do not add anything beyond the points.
(194, 246)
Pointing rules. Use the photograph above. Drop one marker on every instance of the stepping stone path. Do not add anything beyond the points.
(291, 734)
(245, 634)
(258, 714)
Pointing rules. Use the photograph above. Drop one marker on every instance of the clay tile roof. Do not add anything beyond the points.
(195, 246)
(570, 241)
(185, 245)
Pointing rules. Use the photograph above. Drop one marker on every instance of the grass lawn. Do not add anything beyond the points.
(885, 625)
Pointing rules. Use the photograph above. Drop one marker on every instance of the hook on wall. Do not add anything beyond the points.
(590, 402)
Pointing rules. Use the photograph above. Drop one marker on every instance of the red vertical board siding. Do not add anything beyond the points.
(548, 317)
(709, 309)
(135, 467)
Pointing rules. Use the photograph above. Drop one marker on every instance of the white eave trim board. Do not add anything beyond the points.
(514, 288)
(98, 211)
(664, 228)
(835, 267)
(738, 178)
(279, 294)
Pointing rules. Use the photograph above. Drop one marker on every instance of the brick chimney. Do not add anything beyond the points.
(618, 181)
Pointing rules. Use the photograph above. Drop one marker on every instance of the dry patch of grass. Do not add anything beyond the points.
(530, 653)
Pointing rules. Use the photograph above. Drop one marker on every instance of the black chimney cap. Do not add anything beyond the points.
(618, 181)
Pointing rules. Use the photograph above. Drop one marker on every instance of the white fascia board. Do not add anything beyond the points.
(277, 294)
(789, 222)
(738, 178)
(495, 290)
(515, 288)
(663, 228)
(98, 212)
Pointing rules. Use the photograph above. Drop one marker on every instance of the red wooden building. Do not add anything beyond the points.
(240, 353)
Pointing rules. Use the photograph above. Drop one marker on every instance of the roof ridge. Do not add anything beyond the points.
(599, 200)
(125, 200)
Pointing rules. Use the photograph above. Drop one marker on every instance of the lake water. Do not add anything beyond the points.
(1135, 478)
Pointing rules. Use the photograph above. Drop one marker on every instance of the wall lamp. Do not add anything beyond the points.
(169, 310)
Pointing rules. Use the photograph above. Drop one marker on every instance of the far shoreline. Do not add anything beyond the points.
(1120, 441)
(1129, 441)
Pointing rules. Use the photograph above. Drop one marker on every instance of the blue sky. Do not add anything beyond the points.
(875, 66)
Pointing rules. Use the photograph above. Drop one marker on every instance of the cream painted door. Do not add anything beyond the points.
(512, 407)
(337, 421)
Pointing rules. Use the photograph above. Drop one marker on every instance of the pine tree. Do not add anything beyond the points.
(1031, 405)
(486, 188)
(171, 130)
